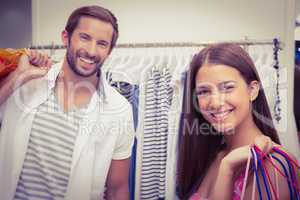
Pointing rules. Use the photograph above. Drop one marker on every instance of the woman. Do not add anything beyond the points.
(225, 112)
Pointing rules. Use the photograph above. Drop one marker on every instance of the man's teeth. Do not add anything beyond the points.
(87, 60)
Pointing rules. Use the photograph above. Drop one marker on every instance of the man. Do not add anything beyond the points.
(68, 134)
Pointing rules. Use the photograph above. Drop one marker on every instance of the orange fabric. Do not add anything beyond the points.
(9, 59)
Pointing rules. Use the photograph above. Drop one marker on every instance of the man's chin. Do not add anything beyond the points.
(87, 74)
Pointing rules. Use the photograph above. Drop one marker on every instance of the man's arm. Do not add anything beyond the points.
(117, 180)
(24, 72)
(7, 87)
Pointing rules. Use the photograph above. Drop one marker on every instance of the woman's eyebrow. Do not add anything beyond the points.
(226, 82)
(202, 86)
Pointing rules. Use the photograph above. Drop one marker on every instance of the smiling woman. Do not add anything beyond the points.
(226, 102)
(219, 89)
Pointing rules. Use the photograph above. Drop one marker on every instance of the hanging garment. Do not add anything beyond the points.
(174, 116)
(264, 60)
(131, 93)
(154, 154)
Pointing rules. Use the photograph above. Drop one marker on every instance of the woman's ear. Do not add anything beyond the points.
(254, 88)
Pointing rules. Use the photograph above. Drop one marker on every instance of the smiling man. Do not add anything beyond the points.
(68, 135)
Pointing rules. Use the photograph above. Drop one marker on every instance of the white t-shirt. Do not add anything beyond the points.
(106, 132)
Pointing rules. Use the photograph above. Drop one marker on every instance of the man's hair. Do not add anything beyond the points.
(97, 12)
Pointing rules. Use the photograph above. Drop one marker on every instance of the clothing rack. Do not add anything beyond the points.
(166, 44)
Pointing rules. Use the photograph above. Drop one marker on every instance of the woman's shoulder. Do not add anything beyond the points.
(197, 196)
(278, 151)
(283, 167)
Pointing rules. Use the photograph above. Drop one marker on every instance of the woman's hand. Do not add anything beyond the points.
(239, 156)
(232, 164)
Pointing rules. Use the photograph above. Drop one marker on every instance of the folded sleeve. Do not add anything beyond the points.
(2, 107)
(126, 136)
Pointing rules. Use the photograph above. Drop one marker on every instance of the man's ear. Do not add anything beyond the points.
(254, 88)
(65, 37)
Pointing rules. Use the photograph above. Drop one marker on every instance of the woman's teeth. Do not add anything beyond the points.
(220, 115)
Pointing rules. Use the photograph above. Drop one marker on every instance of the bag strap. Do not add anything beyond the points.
(246, 175)
(276, 178)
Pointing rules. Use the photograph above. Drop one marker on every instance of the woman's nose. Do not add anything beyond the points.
(216, 101)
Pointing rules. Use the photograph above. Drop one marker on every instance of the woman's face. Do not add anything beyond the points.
(224, 98)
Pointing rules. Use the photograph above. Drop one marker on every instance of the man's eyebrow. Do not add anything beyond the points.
(84, 34)
(104, 41)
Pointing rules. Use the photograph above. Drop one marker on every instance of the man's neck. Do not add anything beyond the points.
(70, 77)
(73, 90)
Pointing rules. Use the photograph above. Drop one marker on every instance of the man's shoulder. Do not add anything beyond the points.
(112, 95)
(115, 103)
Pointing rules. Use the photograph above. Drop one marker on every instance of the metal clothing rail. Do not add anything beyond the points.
(167, 44)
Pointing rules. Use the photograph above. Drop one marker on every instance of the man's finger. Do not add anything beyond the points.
(24, 60)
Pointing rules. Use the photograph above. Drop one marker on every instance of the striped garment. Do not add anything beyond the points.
(154, 156)
(46, 169)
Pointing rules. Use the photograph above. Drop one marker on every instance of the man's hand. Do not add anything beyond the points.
(39, 59)
(30, 67)
(24, 73)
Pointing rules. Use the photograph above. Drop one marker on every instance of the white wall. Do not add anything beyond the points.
(190, 21)
(15, 14)
(297, 14)
(170, 20)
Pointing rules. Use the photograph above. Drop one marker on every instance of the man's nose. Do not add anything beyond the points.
(92, 49)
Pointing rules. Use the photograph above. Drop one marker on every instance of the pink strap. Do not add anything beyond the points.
(276, 178)
(246, 175)
(254, 178)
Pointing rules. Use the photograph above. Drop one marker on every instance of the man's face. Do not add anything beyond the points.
(88, 46)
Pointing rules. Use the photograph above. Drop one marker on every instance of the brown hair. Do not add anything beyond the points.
(97, 12)
(199, 147)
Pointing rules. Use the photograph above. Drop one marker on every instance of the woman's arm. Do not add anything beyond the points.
(232, 165)
(229, 170)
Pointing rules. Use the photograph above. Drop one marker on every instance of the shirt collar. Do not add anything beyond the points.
(55, 70)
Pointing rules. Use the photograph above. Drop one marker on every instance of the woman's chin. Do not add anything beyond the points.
(224, 129)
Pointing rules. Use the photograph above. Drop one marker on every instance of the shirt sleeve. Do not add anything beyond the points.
(2, 107)
(125, 138)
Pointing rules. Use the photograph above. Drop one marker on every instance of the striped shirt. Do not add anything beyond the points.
(46, 169)
(154, 153)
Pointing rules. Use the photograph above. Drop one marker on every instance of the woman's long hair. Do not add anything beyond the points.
(200, 142)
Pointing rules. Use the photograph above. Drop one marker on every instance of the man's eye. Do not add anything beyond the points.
(102, 44)
(83, 37)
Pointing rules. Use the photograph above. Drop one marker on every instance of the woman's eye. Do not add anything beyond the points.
(227, 88)
(203, 92)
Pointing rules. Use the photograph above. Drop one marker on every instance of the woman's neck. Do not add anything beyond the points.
(242, 135)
